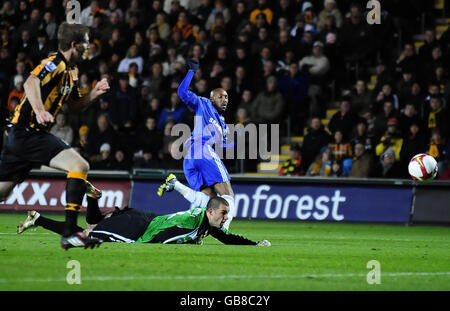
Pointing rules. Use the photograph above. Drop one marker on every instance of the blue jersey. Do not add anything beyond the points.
(209, 127)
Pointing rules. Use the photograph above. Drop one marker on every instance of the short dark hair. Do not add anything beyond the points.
(67, 33)
(215, 203)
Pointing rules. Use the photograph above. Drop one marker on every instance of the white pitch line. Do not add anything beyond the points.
(231, 276)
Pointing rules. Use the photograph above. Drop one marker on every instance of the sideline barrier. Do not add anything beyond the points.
(279, 198)
(294, 202)
(432, 205)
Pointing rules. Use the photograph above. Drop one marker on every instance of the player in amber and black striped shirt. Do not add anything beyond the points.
(26, 140)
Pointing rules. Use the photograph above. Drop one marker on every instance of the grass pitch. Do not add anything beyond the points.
(303, 256)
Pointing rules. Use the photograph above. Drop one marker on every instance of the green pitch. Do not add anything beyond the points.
(304, 256)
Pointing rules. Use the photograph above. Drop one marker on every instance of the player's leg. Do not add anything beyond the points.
(93, 213)
(224, 190)
(215, 175)
(6, 188)
(209, 191)
(35, 219)
(77, 169)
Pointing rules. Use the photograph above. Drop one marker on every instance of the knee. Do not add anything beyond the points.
(80, 166)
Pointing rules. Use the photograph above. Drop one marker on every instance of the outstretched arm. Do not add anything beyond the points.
(226, 237)
(188, 97)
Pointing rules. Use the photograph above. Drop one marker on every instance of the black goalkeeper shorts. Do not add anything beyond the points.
(25, 148)
(126, 226)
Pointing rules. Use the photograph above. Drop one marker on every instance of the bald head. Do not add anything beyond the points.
(219, 98)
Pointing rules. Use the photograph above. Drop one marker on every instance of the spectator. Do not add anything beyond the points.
(114, 8)
(41, 48)
(408, 59)
(336, 169)
(246, 102)
(429, 43)
(238, 16)
(329, 9)
(219, 6)
(172, 58)
(62, 130)
(203, 10)
(294, 87)
(362, 162)
(285, 9)
(123, 104)
(120, 162)
(50, 26)
(436, 148)
(361, 135)
(413, 143)
(131, 57)
(81, 143)
(361, 97)
(101, 134)
(404, 87)
(87, 14)
(183, 25)
(388, 167)
(340, 150)
(175, 111)
(381, 119)
(314, 140)
(416, 98)
(161, 26)
(391, 140)
(150, 139)
(437, 118)
(295, 165)
(103, 161)
(157, 82)
(344, 120)
(317, 66)
(386, 94)
(262, 8)
(269, 104)
(17, 92)
(322, 164)
(408, 117)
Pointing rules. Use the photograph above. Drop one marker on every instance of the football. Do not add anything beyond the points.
(423, 167)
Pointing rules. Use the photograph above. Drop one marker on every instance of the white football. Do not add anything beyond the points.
(423, 167)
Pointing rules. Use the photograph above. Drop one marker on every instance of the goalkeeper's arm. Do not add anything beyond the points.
(226, 237)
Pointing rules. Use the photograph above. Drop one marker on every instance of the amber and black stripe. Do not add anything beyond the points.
(58, 80)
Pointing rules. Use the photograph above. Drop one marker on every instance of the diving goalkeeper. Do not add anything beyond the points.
(131, 225)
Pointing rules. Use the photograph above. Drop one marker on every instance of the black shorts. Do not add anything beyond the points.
(127, 226)
(25, 148)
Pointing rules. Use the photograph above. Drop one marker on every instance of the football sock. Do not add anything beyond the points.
(93, 214)
(197, 198)
(230, 201)
(75, 190)
(52, 225)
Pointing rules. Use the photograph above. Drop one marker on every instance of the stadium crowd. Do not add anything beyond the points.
(278, 60)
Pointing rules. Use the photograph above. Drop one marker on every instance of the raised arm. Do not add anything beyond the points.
(188, 97)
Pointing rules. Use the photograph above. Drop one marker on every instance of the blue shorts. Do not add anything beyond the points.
(205, 171)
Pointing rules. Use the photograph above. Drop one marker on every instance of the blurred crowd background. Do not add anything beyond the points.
(352, 98)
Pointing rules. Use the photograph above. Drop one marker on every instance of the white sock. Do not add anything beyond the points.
(197, 198)
(230, 201)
